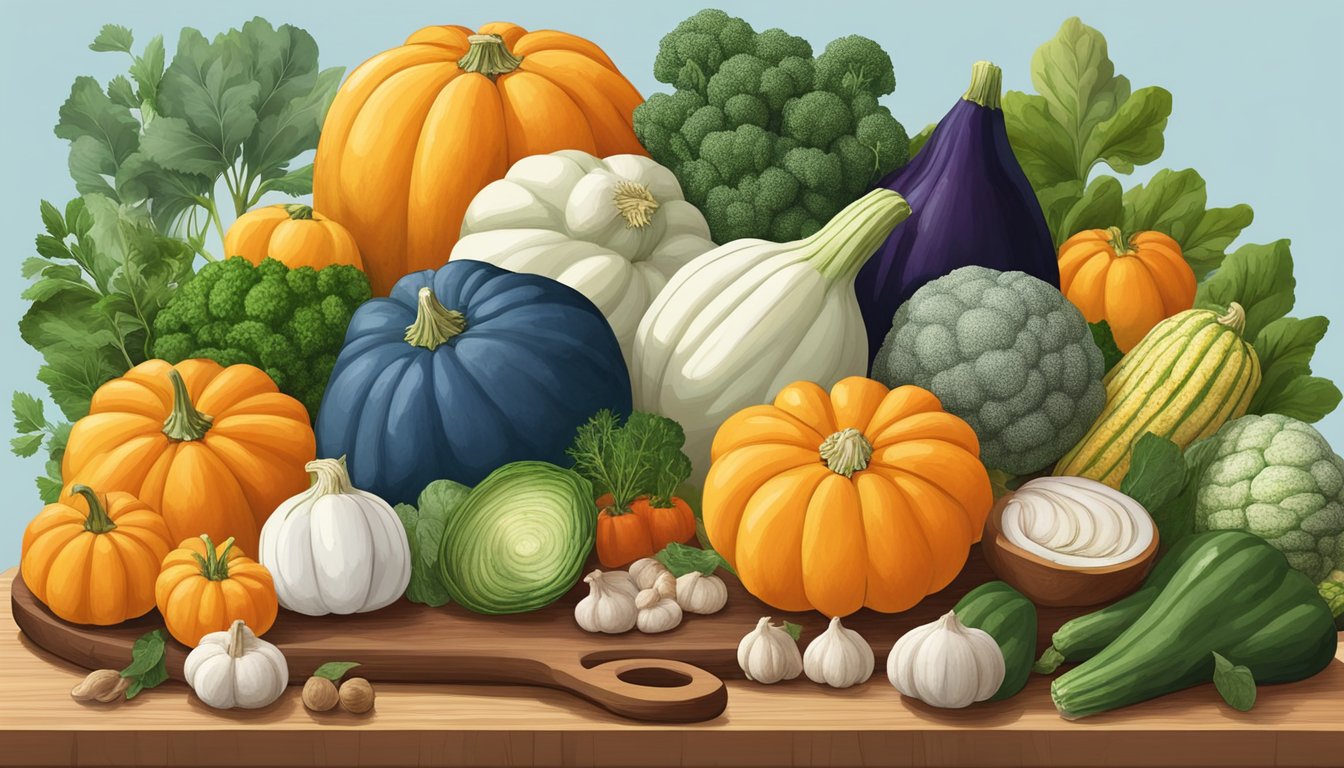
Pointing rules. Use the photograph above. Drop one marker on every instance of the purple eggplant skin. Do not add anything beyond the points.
(971, 205)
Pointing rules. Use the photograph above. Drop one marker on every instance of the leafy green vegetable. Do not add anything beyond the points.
(1234, 682)
(148, 668)
(234, 110)
(335, 670)
(1166, 483)
(1110, 353)
(795, 630)
(682, 559)
(424, 531)
(1083, 116)
(33, 429)
(289, 322)
(643, 457)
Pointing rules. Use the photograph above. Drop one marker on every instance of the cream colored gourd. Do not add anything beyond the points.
(610, 605)
(235, 668)
(838, 657)
(615, 229)
(701, 594)
(335, 548)
(768, 654)
(946, 664)
(739, 323)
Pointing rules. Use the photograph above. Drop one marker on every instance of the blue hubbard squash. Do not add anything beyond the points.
(463, 370)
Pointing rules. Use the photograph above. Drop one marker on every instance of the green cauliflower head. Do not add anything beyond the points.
(1276, 477)
(1007, 353)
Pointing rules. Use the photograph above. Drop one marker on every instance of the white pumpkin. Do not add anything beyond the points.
(335, 548)
(235, 668)
(739, 323)
(615, 229)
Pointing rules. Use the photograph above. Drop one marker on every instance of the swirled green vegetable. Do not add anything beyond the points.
(519, 540)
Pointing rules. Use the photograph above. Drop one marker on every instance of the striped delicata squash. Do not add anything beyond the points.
(1192, 373)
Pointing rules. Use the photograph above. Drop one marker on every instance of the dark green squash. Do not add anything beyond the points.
(1010, 618)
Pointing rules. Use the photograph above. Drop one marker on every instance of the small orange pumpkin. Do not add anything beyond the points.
(416, 131)
(640, 530)
(204, 588)
(867, 497)
(1132, 284)
(214, 449)
(94, 560)
(292, 235)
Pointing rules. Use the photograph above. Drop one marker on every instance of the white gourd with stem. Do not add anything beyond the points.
(335, 548)
(739, 323)
(235, 668)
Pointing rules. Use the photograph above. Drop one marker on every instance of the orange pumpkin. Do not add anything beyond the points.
(292, 235)
(867, 497)
(94, 560)
(1132, 284)
(214, 449)
(204, 588)
(416, 131)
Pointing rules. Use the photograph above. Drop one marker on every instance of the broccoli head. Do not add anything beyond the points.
(288, 322)
(767, 140)
(1007, 353)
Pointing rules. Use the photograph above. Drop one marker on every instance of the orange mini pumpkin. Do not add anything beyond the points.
(94, 560)
(292, 235)
(214, 449)
(1132, 284)
(415, 132)
(867, 497)
(204, 588)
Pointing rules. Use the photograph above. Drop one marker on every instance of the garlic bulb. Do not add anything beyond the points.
(656, 613)
(698, 593)
(839, 657)
(946, 664)
(645, 571)
(610, 604)
(665, 585)
(768, 654)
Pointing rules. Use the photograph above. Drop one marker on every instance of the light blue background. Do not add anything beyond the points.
(1256, 90)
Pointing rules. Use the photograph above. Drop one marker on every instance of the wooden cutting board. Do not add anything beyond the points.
(676, 676)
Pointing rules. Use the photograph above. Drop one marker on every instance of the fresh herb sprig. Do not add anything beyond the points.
(641, 457)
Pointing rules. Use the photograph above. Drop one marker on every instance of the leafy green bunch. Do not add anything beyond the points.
(236, 109)
(766, 140)
(641, 457)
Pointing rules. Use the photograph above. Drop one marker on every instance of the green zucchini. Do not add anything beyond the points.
(1233, 595)
(1082, 638)
(1010, 618)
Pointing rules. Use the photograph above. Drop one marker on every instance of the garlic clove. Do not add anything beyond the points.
(698, 593)
(838, 657)
(609, 607)
(645, 571)
(768, 654)
(656, 613)
(946, 664)
(666, 585)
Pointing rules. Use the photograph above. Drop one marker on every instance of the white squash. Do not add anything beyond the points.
(235, 668)
(739, 323)
(334, 548)
(615, 229)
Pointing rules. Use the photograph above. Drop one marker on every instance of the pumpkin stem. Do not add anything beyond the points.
(840, 249)
(986, 85)
(635, 203)
(299, 212)
(1119, 244)
(184, 422)
(237, 640)
(487, 55)
(215, 565)
(434, 323)
(330, 476)
(1234, 318)
(98, 520)
(847, 452)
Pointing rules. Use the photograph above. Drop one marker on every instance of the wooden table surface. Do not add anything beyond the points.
(795, 723)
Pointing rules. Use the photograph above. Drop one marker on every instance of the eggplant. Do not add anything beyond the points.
(970, 203)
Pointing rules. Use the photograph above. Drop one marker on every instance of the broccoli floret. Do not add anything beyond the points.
(746, 103)
(289, 323)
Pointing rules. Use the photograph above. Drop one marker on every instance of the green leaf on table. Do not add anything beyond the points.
(1259, 278)
(424, 531)
(335, 670)
(794, 630)
(148, 668)
(1285, 347)
(1105, 340)
(682, 559)
(1234, 682)
(1173, 202)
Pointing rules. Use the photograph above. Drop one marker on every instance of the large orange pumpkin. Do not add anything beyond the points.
(292, 235)
(214, 449)
(1132, 284)
(95, 559)
(416, 131)
(204, 587)
(867, 497)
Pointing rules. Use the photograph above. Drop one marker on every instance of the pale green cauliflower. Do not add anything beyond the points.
(1007, 353)
(1276, 477)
